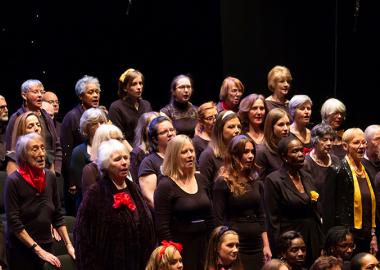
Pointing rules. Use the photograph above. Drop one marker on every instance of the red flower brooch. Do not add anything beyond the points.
(123, 198)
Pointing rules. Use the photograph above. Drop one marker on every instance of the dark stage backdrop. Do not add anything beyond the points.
(59, 42)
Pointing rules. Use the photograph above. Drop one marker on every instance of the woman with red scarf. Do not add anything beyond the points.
(114, 228)
(32, 206)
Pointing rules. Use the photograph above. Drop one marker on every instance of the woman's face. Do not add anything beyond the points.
(32, 124)
(183, 90)
(302, 114)
(92, 127)
(187, 156)
(281, 127)
(345, 248)
(324, 144)
(257, 113)
(369, 262)
(136, 88)
(281, 88)
(295, 156)
(119, 165)
(35, 153)
(296, 253)
(229, 249)
(356, 147)
(176, 262)
(335, 120)
(90, 97)
(165, 132)
(234, 95)
(231, 129)
(248, 157)
(209, 119)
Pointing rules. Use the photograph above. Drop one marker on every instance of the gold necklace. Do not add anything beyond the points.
(319, 161)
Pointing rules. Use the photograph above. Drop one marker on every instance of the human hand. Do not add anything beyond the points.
(55, 234)
(267, 254)
(70, 250)
(373, 246)
(47, 257)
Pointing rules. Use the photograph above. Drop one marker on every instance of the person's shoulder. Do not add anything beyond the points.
(80, 148)
(220, 182)
(72, 114)
(116, 104)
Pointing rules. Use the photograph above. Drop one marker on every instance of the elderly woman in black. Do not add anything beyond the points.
(237, 201)
(114, 228)
(32, 206)
(355, 198)
(291, 200)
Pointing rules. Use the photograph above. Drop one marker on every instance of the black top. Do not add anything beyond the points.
(137, 156)
(124, 115)
(151, 164)
(3, 126)
(200, 145)
(79, 159)
(112, 238)
(371, 167)
(266, 160)
(183, 115)
(271, 104)
(209, 165)
(28, 209)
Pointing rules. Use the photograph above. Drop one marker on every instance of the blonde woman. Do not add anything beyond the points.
(166, 257)
(279, 83)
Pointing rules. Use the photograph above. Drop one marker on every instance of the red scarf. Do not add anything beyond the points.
(34, 177)
(226, 107)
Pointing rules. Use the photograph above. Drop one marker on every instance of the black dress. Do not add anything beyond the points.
(245, 215)
(184, 218)
(288, 209)
(112, 238)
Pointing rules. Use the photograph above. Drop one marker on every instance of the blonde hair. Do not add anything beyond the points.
(171, 166)
(226, 85)
(157, 262)
(276, 74)
(350, 134)
(126, 79)
(104, 133)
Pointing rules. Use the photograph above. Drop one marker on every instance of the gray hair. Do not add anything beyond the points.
(91, 116)
(81, 84)
(21, 146)
(104, 133)
(29, 84)
(331, 106)
(297, 101)
(1, 97)
(321, 130)
(370, 130)
(105, 150)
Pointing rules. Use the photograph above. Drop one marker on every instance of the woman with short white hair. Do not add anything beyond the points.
(300, 113)
(114, 227)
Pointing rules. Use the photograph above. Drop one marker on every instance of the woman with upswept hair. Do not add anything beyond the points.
(237, 199)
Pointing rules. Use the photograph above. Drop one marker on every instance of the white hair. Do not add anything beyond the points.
(104, 133)
(105, 150)
(297, 101)
(331, 106)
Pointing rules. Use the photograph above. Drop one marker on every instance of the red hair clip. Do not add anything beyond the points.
(166, 244)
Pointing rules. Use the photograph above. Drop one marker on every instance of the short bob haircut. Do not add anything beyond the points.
(270, 138)
(171, 166)
(326, 263)
(350, 134)
(370, 132)
(274, 264)
(104, 133)
(285, 241)
(20, 127)
(157, 262)
(21, 146)
(227, 84)
(126, 80)
(246, 105)
(153, 131)
(105, 151)
(331, 106)
(217, 144)
(81, 85)
(297, 101)
(334, 236)
(277, 74)
(215, 241)
(89, 117)
(28, 84)
(319, 131)
(141, 130)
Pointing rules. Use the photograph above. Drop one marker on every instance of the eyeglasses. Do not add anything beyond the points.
(183, 87)
(2, 107)
(346, 246)
(53, 102)
(210, 118)
(166, 132)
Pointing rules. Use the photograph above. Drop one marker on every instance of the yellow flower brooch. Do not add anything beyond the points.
(314, 195)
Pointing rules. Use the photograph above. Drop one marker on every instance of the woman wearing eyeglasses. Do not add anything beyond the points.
(180, 110)
(355, 197)
(231, 92)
